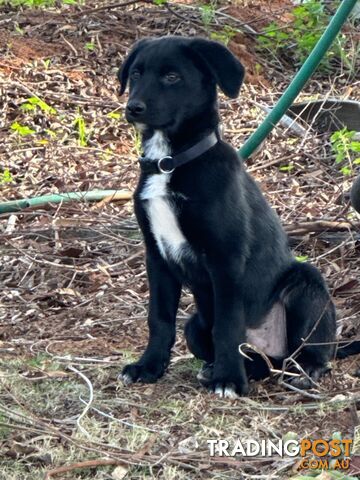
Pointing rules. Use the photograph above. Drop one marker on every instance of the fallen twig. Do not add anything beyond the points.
(87, 464)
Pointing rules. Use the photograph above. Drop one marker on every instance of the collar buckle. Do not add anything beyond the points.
(161, 168)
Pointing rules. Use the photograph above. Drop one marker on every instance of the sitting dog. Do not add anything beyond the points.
(206, 225)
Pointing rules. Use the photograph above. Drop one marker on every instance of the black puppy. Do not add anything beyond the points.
(207, 225)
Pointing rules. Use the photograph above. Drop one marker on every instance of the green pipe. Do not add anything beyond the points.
(299, 80)
(16, 205)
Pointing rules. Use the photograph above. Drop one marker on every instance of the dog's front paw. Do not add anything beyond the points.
(141, 372)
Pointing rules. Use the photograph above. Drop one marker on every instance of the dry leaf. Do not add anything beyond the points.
(119, 473)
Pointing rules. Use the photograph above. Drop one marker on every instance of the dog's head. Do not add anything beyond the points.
(174, 79)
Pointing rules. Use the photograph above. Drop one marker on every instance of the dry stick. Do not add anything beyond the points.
(108, 7)
(272, 162)
(318, 226)
(73, 99)
(53, 264)
(86, 464)
(182, 17)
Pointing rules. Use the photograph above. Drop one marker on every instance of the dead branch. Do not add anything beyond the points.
(87, 464)
(319, 226)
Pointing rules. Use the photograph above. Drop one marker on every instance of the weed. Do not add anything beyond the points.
(79, 123)
(298, 38)
(90, 46)
(22, 130)
(33, 103)
(302, 258)
(208, 13)
(286, 168)
(224, 36)
(5, 176)
(346, 149)
(136, 141)
(17, 28)
(114, 115)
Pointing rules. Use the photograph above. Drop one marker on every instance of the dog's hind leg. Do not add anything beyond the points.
(310, 321)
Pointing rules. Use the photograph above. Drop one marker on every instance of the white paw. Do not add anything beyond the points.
(226, 392)
(126, 379)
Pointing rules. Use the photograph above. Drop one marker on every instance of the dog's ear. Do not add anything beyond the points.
(123, 73)
(226, 69)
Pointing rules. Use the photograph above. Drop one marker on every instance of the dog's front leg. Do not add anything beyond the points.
(229, 331)
(165, 292)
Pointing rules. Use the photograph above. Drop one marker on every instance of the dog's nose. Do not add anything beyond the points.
(136, 108)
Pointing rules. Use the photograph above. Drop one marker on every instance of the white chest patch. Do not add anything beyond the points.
(161, 213)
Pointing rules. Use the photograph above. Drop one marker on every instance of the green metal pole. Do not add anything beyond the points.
(299, 80)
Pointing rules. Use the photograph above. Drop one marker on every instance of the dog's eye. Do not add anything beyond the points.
(135, 75)
(172, 77)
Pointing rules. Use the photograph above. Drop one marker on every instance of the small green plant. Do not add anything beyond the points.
(346, 150)
(33, 103)
(224, 36)
(17, 27)
(90, 46)
(47, 63)
(208, 13)
(5, 176)
(286, 168)
(114, 115)
(22, 130)
(302, 258)
(299, 37)
(79, 123)
(137, 142)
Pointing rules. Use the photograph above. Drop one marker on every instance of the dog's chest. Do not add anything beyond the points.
(160, 207)
(163, 219)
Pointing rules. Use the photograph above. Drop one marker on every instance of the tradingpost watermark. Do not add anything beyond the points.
(314, 454)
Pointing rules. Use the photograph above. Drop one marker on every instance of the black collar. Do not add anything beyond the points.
(170, 162)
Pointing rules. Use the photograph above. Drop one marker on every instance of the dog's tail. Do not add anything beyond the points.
(351, 348)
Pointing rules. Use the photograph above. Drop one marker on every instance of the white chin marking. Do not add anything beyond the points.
(227, 392)
(141, 127)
